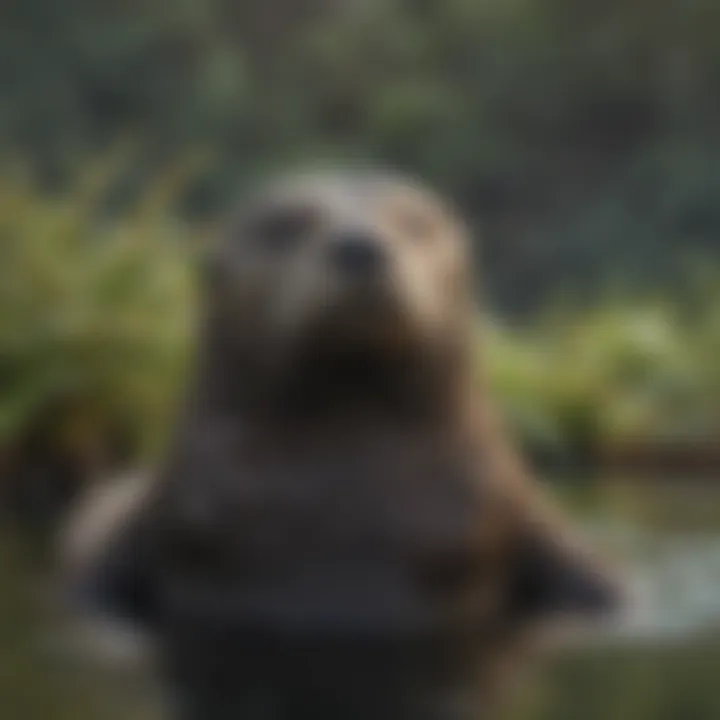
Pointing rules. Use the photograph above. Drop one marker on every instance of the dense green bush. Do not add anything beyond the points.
(94, 313)
(630, 373)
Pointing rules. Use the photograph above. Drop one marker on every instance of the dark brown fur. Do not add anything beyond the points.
(340, 513)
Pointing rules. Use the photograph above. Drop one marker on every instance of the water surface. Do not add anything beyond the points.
(663, 664)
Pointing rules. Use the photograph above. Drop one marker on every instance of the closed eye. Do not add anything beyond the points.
(415, 221)
(282, 228)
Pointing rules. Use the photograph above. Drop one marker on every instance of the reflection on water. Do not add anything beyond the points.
(667, 537)
(662, 664)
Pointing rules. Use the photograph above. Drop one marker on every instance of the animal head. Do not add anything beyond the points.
(350, 263)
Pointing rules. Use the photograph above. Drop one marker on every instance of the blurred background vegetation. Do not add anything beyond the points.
(581, 138)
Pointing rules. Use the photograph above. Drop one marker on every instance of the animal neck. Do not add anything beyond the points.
(424, 385)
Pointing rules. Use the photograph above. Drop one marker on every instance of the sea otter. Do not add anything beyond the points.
(341, 528)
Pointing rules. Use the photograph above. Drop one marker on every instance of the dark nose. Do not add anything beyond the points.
(357, 252)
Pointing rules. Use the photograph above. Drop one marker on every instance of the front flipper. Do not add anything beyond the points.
(108, 555)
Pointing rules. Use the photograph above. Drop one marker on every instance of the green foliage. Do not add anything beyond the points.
(94, 312)
(628, 372)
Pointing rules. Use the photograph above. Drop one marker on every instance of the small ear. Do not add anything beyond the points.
(552, 578)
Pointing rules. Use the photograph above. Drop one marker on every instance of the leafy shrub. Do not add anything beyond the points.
(94, 313)
(630, 372)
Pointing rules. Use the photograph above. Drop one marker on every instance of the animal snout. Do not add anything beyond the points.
(357, 252)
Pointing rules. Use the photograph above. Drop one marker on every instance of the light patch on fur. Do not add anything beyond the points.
(97, 517)
(91, 525)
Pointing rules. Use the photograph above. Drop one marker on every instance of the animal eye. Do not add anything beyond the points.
(283, 228)
(416, 224)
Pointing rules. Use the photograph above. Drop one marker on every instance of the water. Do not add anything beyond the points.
(662, 661)
(662, 664)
